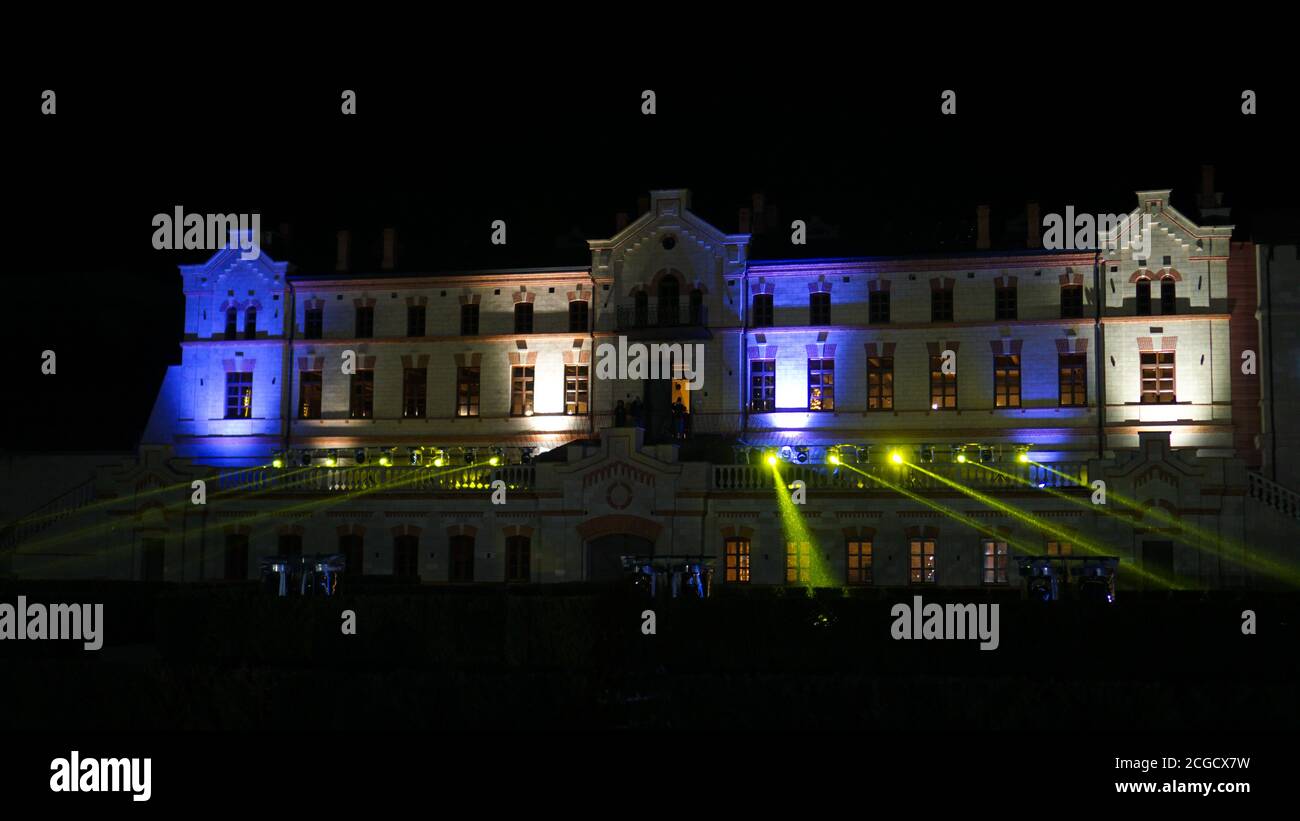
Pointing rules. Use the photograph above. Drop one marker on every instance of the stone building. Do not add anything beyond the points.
(944, 414)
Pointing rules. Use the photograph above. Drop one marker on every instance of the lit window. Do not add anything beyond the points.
(821, 384)
(1158, 377)
(880, 383)
(798, 562)
(1073, 370)
(943, 386)
(467, 391)
(239, 395)
(762, 385)
(1006, 381)
(995, 561)
(923, 561)
(576, 389)
(309, 393)
(859, 562)
(521, 390)
(737, 560)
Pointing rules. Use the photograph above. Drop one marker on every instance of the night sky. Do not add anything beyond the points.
(556, 154)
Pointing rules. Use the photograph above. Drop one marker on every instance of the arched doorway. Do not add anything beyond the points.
(605, 555)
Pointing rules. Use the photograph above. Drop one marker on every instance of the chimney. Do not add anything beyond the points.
(390, 248)
(759, 200)
(620, 221)
(982, 234)
(345, 240)
(743, 219)
(1034, 233)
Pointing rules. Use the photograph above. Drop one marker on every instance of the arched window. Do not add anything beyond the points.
(232, 323)
(518, 568)
(461, 556)
(668, 306)
(1144, 297)
(250, 323)
(1167, 295)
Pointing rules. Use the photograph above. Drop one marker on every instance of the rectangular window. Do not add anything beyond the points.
(1073, 375)
(1072, 302)
(923, 561)
(1158, 377)
(521, 390)
(365, 322)
(250, 324)
(763, 310)
(462, 559)
(314, 324)
(406, 556)
(467, 391)
(415, 315)
(523, 317)
(943, 386)
(995, 562)
(736, 558)
(1059, 549)
(309, 393)
(469, 319)
(1006, 380)
(576, 389)
(762, 385)
(415, 393)
(821, 384)
(878, 308)
(353, 548)
(362, 403)
(578, 316)
(232, 324)
(798, 562)
(880, 383)
(859, 562)
(518, 567)
(1004, 306)
(819, 308)
(941, 305)
(239, 396)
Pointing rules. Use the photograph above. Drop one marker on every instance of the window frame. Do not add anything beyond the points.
(415, 393)
(469, 319)
(766, 385)
(1006, 303)
(413, 324)
(859, 562)
(363, 323)
(316, 379)
(940, 381)
(1077, 365)
(1159, 366)
(763, 311)
(523, 389)
(995, 564)
(821, 369)
(736, 564)
(523, 317)
(239, 390)
(819, 308)
(1006, 380)
(919, 572)
(881, 392)
(361, 394)
(577, 389)
(469, 391)
(941, 304)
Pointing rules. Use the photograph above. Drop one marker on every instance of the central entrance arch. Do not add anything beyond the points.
(607, 539)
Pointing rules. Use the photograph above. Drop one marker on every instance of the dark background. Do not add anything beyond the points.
(556, 149)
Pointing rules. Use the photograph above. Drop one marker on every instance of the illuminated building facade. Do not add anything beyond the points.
(371, 414)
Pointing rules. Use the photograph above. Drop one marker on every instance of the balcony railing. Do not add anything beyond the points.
(1281, 499)
(376, 479)
(662, 315)
(759, 477)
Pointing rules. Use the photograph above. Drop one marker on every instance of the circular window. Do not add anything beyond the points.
(670, 242)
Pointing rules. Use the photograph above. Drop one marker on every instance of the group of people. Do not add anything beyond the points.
(636, 412)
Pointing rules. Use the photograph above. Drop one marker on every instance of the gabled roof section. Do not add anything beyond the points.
(670, 211)
(229, 260)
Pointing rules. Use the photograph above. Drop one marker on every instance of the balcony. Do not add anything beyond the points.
(759, 477)
(373, 479)
(680, 317)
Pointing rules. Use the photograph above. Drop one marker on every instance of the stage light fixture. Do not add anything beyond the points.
(359, 456)
(1023, 457)
(786, 453)
(896, 457)
(304, 459)
(771, 459)
(833, 458)
(961, 457)
(494, 461)
(801, 455)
